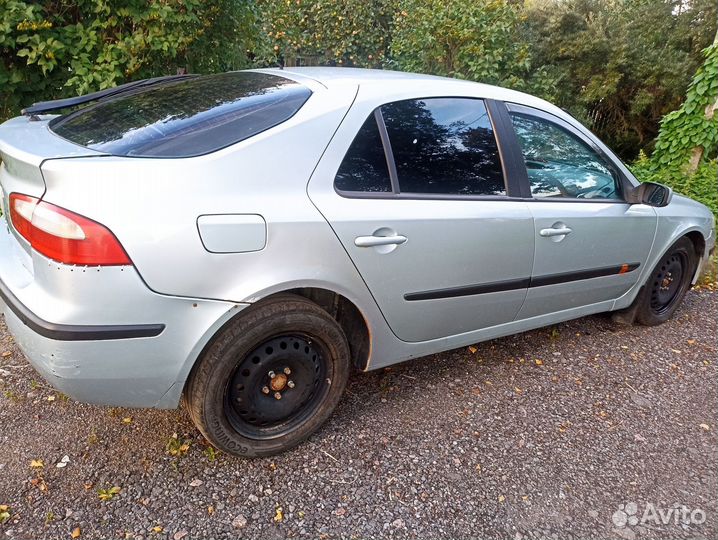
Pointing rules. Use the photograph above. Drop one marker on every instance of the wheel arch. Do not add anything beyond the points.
(345, 311)
(695, 236)
(698, 240)
(349, 317)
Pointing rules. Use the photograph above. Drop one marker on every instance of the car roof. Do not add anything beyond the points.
(330, 77)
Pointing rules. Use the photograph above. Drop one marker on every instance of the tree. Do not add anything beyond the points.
(467, 39)
(690, 134)
(620, 65)
(685, 153)
(52, 49)
(341, 32)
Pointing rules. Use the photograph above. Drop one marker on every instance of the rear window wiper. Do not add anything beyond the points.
(57, 104)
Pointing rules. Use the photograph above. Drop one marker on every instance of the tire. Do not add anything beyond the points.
(270, 378)
(668, 284)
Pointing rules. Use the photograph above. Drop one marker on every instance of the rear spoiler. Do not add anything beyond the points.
(42, 107)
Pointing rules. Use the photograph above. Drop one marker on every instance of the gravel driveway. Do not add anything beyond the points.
(543, 434)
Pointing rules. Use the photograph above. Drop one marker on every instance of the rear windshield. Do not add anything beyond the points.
(185, 118)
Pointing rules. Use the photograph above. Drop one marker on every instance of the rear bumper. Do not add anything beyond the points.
(100, 335)
(75, 332)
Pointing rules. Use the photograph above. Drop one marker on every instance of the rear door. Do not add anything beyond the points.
(416, 193)
(590, 244)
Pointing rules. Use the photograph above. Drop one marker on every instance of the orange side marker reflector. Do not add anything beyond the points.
(624, 269)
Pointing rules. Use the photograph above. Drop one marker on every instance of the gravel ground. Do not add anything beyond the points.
(543, 434)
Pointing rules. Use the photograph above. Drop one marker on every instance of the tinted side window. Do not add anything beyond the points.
(364, 167)
(444, 146)
(559, 164)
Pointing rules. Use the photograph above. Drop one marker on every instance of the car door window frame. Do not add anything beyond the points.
(507, 159)
(512, 139)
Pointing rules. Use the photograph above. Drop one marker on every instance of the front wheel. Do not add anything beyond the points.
(668, 284)
(270, 379)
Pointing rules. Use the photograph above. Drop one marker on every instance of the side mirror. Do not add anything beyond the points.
(651, 193)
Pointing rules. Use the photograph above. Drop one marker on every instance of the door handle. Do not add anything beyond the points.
(372, 241)
(558, 231)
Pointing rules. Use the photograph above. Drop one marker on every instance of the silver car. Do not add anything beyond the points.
(242, 241)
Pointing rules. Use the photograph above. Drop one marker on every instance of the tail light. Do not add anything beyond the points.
(64, 236)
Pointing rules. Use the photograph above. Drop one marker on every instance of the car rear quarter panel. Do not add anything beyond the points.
(152, 206)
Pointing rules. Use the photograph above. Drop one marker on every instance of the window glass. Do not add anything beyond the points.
(559, 164)
(444, 146)
(364, 167)
(185, 118)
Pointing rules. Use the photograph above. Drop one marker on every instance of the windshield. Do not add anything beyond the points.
(185, 118)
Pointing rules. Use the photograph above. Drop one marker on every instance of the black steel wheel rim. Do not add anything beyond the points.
(277, 386)
(668, 282)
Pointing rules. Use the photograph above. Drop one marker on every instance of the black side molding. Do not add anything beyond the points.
(554, 279)
(468, 290)
(76, 332)
(523, 283)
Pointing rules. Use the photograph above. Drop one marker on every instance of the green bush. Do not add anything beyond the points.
(701, 185)
(52, 49)
(466, 39)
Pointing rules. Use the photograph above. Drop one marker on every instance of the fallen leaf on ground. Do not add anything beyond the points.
(501, 498)
(108, 494)
(705, 426)
(6, 354)
(127, 420)
(279, 514)
(157, 529)
(37, 464)
(4, 513)
(76, 532)
(538, 362)
(473, 349)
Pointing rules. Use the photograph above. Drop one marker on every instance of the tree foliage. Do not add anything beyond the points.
(685, 153)
(617, 65)
(468, 39)
(346, 32)
(51, 49)
(692, 130)
(620, 65)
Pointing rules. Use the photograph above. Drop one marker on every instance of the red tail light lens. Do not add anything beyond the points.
(64, 236)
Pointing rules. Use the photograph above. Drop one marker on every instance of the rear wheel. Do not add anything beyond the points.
(270, 379)
(668, 284)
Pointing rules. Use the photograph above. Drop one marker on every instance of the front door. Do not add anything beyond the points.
(418, 200)
(591, 245)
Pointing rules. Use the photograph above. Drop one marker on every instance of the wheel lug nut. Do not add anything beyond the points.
(287, 371)
(272, 374)
(290, 384)
(265, 390)
(277, 395)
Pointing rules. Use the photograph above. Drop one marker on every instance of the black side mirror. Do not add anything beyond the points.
(651, 193)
